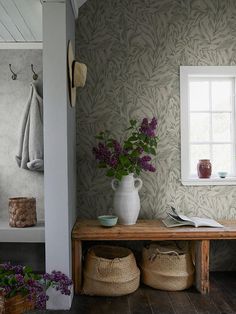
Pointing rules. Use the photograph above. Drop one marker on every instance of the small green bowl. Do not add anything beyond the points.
(108, 220)
(222, 174)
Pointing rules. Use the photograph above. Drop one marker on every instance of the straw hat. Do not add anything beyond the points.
(77, 73)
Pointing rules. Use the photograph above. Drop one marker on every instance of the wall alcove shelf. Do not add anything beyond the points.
(35, 234)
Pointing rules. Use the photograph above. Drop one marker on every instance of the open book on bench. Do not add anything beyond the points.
(175, 219)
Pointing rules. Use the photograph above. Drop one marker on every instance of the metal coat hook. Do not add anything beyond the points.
(14, 75)
(35, 75)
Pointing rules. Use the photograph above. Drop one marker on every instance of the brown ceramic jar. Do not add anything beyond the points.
(204, 169)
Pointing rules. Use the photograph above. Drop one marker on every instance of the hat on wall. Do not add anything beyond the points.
(77, 73)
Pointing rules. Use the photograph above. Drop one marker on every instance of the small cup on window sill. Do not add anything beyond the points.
(222, 174)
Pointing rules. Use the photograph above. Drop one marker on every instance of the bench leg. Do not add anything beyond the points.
(202, 251)
(77, 265)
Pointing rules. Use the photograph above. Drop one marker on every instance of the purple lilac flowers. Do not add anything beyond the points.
(59, 281)
(19, 279)
(148, 128)
(131, 156)
(145, 165)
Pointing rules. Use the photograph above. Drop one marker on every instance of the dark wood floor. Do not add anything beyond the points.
(221, 300)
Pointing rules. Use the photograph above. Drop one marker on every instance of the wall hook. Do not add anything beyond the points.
(14, 75)
(35, 75)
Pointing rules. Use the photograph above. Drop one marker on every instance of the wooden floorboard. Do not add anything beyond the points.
(226, 285)
(138, 303)
(181, 303)
(221, 300)
(159, 301)
(203, 304)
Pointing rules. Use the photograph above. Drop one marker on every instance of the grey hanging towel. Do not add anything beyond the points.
(30, 151)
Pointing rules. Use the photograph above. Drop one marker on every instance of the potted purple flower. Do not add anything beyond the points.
(124, 160)
(21, 289)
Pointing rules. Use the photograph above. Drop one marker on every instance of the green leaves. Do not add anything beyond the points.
(99, 137)
(128, 145)
(118, 176)
(27, 270)
(12, 293)
(152, 151)
(133, 123)
(110, 173)
(102, 165)
(104, 135)
(135, 153)
(124, 160)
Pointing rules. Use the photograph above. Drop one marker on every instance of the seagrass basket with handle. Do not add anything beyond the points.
(15, 305)
(167, 267)
(110, 271)
(22, 212)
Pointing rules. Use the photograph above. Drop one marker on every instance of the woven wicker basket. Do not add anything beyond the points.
(22, 212)
(16, 305)
(167, 267)
(110, 271)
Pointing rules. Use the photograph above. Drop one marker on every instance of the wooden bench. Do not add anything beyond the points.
(154, 230)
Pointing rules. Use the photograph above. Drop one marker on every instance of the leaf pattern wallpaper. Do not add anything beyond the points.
(133, 50)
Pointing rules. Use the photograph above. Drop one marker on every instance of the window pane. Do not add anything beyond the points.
(199, 127)
(198, 152)
(199, 95)
(221, 158)
(221, 127)
(221, 95)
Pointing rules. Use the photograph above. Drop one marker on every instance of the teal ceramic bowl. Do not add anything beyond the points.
(108, 220)
(222, 174)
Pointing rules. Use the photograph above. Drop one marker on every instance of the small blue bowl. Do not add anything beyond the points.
(108, 220)
(222, 174)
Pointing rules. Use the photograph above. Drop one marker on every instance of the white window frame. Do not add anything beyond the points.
(202, 71)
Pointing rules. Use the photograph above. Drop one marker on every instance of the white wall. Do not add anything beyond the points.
(59, 139)
(15, 181)
(71, 129)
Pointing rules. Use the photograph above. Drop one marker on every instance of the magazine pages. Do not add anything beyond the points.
(175, 219)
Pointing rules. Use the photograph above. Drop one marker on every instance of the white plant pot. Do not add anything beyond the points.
(126, 202)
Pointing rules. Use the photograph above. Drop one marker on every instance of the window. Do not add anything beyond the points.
(208, 122)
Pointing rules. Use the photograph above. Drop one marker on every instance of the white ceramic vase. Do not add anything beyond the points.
(126, 202)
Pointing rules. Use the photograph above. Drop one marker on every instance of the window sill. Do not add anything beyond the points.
(210, 181)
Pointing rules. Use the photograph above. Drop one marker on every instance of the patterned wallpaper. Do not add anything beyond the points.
(133, 49)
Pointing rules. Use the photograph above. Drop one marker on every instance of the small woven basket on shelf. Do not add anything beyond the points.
(110, 271)
(15, 305)
(22, 212)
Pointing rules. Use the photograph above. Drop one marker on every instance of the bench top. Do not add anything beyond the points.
(151, 230)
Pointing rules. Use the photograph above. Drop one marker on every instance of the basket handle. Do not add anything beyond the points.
(154, 255)
(106, 271)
